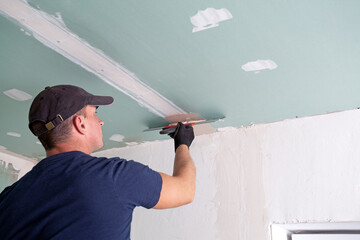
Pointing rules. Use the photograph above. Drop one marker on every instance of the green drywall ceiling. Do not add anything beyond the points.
(314, 43)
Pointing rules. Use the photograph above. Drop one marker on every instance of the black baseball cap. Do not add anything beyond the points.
(55, 104)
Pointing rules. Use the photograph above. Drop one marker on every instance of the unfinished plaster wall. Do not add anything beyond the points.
(13, 167)
(301, 170)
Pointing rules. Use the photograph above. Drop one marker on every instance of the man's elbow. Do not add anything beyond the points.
(190, 196)
(191, 199)
(190, 193)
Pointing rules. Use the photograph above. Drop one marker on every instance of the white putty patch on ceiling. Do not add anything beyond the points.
(26, 33)
(13, 134)
(38, 142)
(17, 94)
(131, 143)
(52, 32)
(259, 65)
(117, 138)
(209, 18)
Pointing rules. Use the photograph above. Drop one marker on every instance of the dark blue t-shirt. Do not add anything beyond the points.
(76, 196)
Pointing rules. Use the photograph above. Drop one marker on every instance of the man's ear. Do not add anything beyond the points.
(79, 124)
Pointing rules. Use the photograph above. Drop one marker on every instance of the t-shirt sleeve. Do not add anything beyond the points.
(136, 184)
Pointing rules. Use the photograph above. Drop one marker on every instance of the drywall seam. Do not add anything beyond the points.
(52, 32)
(19, 162)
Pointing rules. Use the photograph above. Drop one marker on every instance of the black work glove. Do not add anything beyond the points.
(184, 134)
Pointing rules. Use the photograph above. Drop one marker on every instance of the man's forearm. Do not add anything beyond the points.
(184, 168)
(183, 161)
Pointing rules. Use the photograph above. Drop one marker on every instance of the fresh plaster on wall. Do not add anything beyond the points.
(8, 174)
(18, 162)
(239, 161)
(300, 170)
(314, 164)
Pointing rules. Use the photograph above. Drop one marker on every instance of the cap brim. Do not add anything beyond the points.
(101, 101)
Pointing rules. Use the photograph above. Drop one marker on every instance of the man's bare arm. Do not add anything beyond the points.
(179, 189)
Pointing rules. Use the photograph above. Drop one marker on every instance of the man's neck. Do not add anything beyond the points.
(61, 148)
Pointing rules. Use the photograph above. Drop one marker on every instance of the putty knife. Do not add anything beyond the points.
(172, 127)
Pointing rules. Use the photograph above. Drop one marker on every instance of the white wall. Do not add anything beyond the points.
(301, 170)
(13, 167)
(19, 162)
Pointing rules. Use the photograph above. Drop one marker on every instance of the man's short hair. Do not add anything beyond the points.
(59, 134)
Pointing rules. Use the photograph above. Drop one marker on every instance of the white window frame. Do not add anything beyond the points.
(316, 231)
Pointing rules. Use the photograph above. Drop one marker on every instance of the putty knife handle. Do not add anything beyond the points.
(168, 130)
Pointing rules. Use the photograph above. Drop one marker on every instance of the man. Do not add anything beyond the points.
(72, 195)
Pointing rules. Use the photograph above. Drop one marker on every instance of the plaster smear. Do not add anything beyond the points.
(52, 32)
(117, 138)
(311, 169)
(240, 192)
(8, 174)
(17, 95)
(26, 33)
(209, 18)
(13, 134)
(259, 65)
(20, 163)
